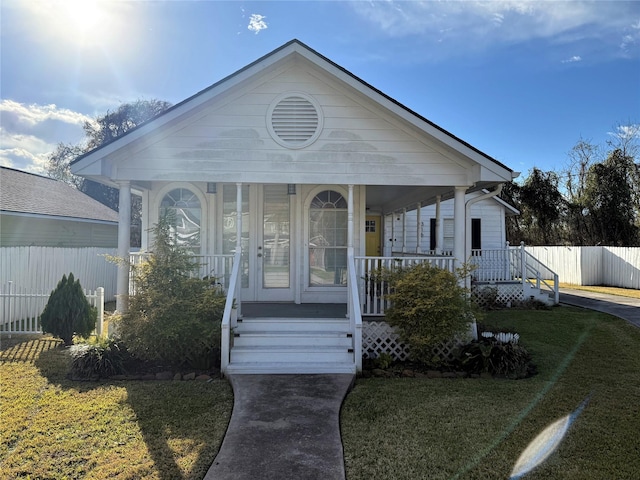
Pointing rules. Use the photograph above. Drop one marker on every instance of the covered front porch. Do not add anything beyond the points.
(284, 252)
(286, 334)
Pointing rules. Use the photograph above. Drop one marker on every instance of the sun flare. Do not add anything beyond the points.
(83, 15)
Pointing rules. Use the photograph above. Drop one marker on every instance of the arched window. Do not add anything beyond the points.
(182, 207)
(328, 240)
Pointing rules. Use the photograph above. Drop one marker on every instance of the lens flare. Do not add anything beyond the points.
(545, 443)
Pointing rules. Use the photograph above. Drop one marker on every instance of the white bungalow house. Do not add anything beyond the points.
(276, 175)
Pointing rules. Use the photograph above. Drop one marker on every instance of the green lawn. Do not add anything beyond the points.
(54, 428)
(477, 428)
(399, 428)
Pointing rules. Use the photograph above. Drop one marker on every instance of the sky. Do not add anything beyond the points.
(522, 81)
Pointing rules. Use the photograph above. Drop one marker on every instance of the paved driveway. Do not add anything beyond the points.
(624, 307)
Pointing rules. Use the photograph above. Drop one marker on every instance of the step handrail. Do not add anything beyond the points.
(354, 310)
(534, 266)
(229, 316)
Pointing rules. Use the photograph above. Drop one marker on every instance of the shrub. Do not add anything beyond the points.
(173, 318)
(428, 306)
(502, 359)
(100, 358)
(68, 312)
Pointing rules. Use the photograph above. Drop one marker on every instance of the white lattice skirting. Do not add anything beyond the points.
(380, 337)
(497, 294)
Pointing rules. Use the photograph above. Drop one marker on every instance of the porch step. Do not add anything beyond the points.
(288, 368)
(296, 338)
(291, 354)
(292, 324)
(292, 345)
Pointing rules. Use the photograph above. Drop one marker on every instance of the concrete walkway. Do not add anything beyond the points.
(624, 307)
(283, 427)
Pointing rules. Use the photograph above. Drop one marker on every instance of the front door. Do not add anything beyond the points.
(372, 236)
(267, 267)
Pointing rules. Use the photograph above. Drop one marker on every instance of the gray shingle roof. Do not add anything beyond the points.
(27, 193)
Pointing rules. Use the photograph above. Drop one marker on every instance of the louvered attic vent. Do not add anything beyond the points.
(294, 120)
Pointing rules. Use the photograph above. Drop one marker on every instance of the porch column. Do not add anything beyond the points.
(350, 227)
(124, 235)
(392, 240)
(439, 226)
(404, 230)
(239, 246)
(458, 226)
(419, 228)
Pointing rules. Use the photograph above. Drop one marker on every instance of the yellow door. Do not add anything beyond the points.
(373, 236)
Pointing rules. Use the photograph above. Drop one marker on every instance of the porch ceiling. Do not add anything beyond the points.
(390, 198)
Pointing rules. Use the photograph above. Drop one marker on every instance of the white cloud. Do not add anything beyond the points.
(474, 25)
(575, 58)
(29, 133)
(626, 132)
(33, 114)
(257, 23)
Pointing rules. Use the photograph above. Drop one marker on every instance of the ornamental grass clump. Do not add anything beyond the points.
(68, 312)
(98, 357)
(173, 319)
(428, 306)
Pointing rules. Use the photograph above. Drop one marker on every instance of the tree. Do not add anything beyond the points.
(602, 193)
(173, 318)
(541, 206)
(114, 124)
(578, 230)
(511, 194)
(68, 312)
(102, 131)
(609, 200)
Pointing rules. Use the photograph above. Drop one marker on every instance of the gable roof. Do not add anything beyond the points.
(289, 48)
(30, 194)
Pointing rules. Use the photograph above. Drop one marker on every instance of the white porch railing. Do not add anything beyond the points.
(514, 264)
(354, 311)
(372, 288)
(214, 267)
(230, 315)
(20, 308)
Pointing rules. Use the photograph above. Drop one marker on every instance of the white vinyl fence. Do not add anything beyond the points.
(20, 308)
(39, 269)
(612, 266)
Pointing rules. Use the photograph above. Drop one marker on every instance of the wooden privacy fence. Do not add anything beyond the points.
(20, 308)
(39, 269)
(612, 266)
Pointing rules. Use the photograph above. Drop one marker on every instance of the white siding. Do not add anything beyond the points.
(27, 231)
(363, 143)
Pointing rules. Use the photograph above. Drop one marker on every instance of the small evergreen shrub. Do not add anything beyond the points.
(100, 358)
(68, 312)
(428, 306)
(173, 319)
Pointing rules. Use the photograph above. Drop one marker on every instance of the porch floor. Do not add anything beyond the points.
(293, 310)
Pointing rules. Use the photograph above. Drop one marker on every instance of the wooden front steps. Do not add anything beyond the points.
(292, 345)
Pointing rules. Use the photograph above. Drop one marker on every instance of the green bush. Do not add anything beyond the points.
(502, 359)
(173, 319)
(428, 306)
(98, 359)
(68, 312)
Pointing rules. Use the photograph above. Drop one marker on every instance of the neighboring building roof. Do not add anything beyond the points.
(29, 194)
